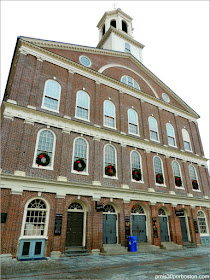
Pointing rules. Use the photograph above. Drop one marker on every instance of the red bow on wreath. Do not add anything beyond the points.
(41, 156)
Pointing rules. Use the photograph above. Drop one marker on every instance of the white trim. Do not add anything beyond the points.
(132, 180)
(115, 213)
(131, 123)
(106, 115)
(88, 119)
(104, 175)
(133, 80)
(87, 58)
(182, 187)
(101, 70)
(175, 146)
(153, 130)
(22, 236)
(157, 184)
(207, 227)
(167, 215)
(11, 110)
(198, 190)
(43, 97)
(186, 138)
(35, 165)
(87, 159)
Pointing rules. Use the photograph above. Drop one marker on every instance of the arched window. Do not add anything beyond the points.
(110, 167)
(130, 82)
(171, 135)
(109, 209)
(202, 222)
(80, 155)
(44, 152)
(136, 170)
(124, 26)
(82, 105)
(161, 212)
(109, 114)
(35, 219)
(153, 128)
(127, 48)
(193, 177)
(51, 96)
(137, 209)
(133, 122)
(113, 23)
(177, 174)
(158, 169)
(186, 139)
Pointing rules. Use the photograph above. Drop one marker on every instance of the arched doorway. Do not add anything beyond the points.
(138, 218)
(109, 225)
(76, 220)
(184, 227)
(163, 223)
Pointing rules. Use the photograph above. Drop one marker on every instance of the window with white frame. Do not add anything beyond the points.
(51, 96)
(35, 221)
(171, 135)
(110, 168)
(133, 122)
(158, 169)
(153, 129)
(82, 105)
(186, 140)
(177, 173)
(202, 222)
(109, 114)
(193, 177)
(130, 82)
(136, 170)
(127, 48)
(80, 155)
(44, 153)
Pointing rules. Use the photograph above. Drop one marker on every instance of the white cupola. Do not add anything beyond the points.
(115, 33)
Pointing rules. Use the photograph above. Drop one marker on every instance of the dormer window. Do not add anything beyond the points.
(124, 26)
(130, 82)
(127, 48)
(113, 23)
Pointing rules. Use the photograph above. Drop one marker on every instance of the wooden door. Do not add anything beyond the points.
(163, 222)
(74, 231)
(109, 229)
(139, 227)
(183, 229)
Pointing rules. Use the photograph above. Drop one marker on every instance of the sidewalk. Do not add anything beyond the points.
(133, 266)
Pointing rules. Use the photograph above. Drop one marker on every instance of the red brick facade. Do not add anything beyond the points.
(58, 186)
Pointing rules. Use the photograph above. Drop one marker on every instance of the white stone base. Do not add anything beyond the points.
(55, 254)
(95, 251)
(5, 257)
(96, 183)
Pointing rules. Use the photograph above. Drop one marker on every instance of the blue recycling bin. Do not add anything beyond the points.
(132, 242)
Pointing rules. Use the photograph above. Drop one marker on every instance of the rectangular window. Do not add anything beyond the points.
(171, 141)
(50, 103)
(82, 113)
(133, 128)
(108, 121)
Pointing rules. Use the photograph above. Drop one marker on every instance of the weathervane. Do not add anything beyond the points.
(114, 6)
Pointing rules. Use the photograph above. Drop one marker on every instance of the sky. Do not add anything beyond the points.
(175, 35)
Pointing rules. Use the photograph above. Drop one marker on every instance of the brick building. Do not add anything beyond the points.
(96, 148)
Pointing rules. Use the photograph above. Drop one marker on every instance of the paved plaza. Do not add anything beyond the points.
(191, 263)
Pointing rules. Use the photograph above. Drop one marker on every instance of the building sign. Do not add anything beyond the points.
(99, 207)
(58, 224)
(195, 226)
(179, 212)
(154, 227)
(127, 226)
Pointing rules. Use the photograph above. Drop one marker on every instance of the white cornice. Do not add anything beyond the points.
(61, 188)
(30, 115)
(99, 77)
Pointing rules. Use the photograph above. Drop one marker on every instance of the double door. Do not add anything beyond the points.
(109, 229)
(74, 231)
(139, 227)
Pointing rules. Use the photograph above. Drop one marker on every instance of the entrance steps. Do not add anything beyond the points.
(170, 246)
(75, 251)
(146, 247)
(189, 245)
(113, 249)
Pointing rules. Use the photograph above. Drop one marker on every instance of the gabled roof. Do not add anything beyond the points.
(66, 46)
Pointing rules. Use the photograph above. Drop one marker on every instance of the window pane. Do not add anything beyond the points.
(80, 149)
(45, 143)
(170, 130)
(26, 247)
(50, 103)
(152, 124)
(176, 169)
(187, 146)
(132, 117)
(157, 165)
(83, 99)
(133, 129)
(153, 135)
(52, 89)
(38, 248)
(135, 161)
(109, 155)
(109, 109)
(171, 141)
(108, 121)
(82, 113)
(192, 173)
